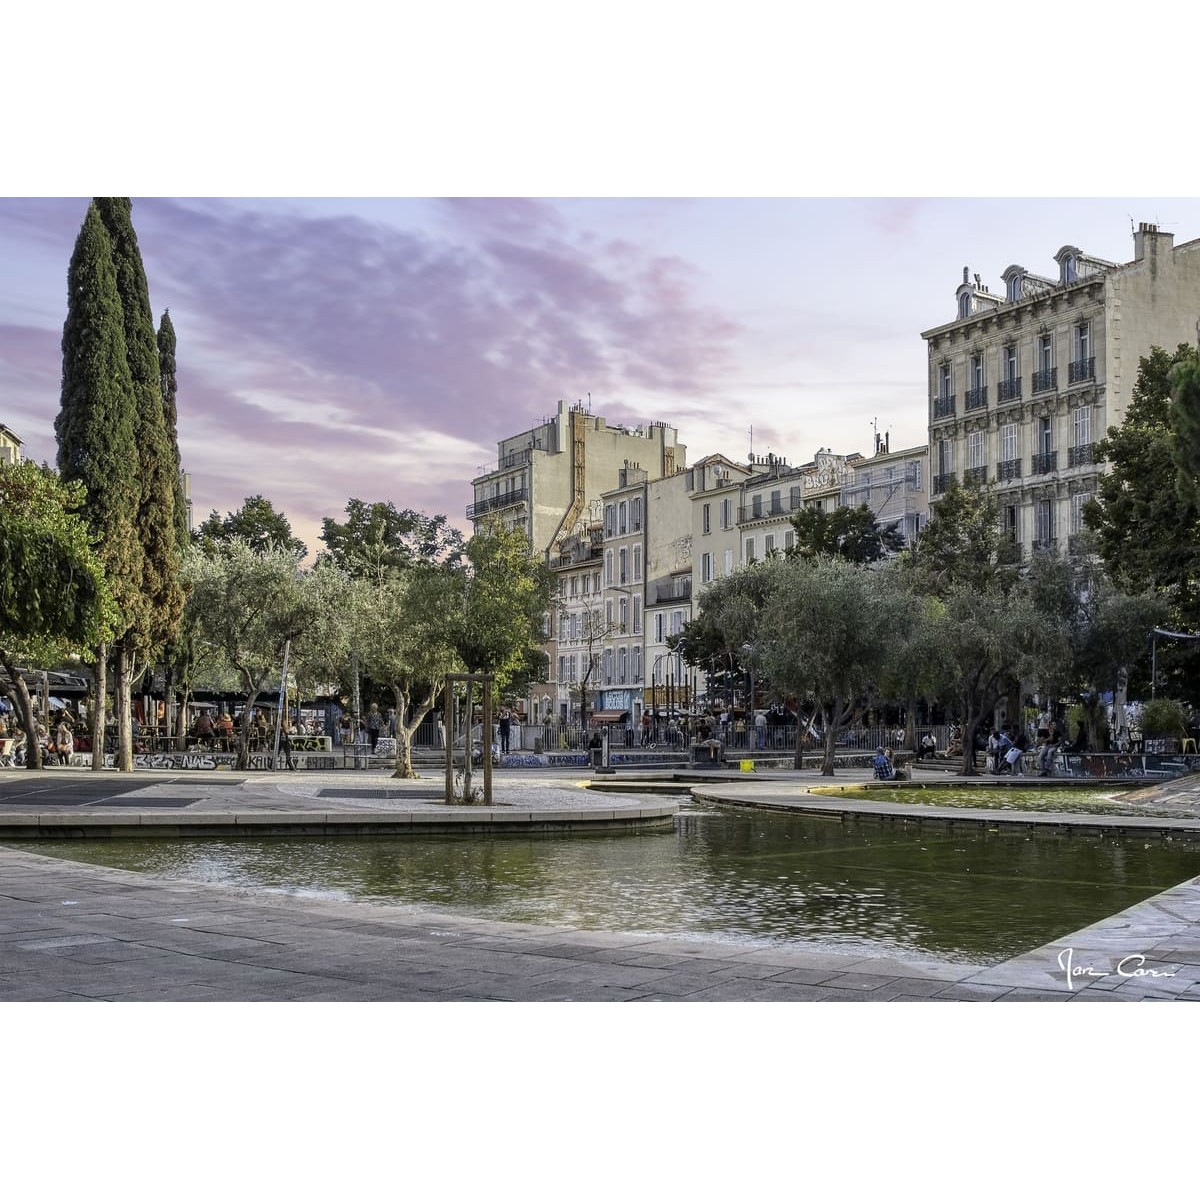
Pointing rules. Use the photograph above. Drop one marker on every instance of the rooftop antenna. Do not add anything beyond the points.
(751, 443)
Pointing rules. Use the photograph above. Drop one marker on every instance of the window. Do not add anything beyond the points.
(1009, 358)
(914, 477)
(574, 585)
(676, 622)
(562, 667)
(944, 379)
(1010, 522)
(596, 582)
(659, 626)
(637, 614)
(1008, 442)
(1082, 425)
(622, 517)
(1045, 435)
(573, 627)
(1078, 503)
(749, 550)
(608, 613)
(623, 614)
(727, 513)
(776, 501)
(637, 563)
(622, 665)
(1046, 353)
(794, 498)
(1043, 516)
(1083, 341)
(635, 514)
(789, 540)
(610, 521)
(608, 568)
(728, 562)
(1013, 290)
(768, 543)
(756, 506)
(636, 665)
(706, 522)
(623, 560)
(608, 666)
(945, 457)
(706, 568)
(977, 372)
(964, 305)
(587, 584)
(1070, 269)
(975, 449)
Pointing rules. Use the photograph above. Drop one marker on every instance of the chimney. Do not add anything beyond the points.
(1148, 241)
(966, 273)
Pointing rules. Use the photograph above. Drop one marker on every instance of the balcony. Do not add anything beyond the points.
(975, 476)
(1079, 456)
(492, 503)
(1045, 381)
(1047, 545)
(943, 406)
(1080, 370)
(1008, 470)
(773, 508)
(942, 482)
(975, 398)
(1008, 389)
(1043, 464)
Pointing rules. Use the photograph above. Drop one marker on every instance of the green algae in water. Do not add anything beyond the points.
(1032, 798)
(963, 895)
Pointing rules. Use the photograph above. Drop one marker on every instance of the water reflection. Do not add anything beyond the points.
(965, 896)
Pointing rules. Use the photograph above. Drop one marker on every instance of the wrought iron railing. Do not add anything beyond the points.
(504, 500)
(1045, 381)
(975, 398)
(1081, 369)
(1078, 456)
(975, 475)
(1043, 464)
(1008, 389)
(943, 406)
(1009, 469)
(1045, 545)
(942, 482)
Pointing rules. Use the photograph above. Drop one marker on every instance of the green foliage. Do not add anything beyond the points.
(500, 601)
(850, 533)
(1147, 533)
(963, 544)
(53, 594)
(256, 524)
(376, 540)
(1163, 719)
(170, 389)
(834, 626)
(97, 421)
(160, 596)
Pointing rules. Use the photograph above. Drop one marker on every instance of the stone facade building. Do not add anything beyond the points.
(1023, 383)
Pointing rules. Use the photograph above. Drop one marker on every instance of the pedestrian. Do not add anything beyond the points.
(505, 728)
(760, 729)
(374, 725)
(647, 726)
(285, 744)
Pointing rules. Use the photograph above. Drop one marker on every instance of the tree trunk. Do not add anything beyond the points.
(123, 686)
(830, 740)
(100, 708)
(33, 745)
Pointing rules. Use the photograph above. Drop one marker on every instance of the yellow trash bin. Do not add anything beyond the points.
(747, 764)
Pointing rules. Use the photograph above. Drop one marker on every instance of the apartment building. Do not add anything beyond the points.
(1023, 382)
(549, 478)
(10, 446)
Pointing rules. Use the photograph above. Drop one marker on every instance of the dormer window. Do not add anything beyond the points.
(1013, 293)
(1070, 269)
(964, 305)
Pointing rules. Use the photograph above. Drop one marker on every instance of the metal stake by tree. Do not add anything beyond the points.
(486, 736)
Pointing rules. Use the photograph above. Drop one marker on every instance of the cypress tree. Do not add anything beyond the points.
(166, 365)
(156, 617)
(96, 428)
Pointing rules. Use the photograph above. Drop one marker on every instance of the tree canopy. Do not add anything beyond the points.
(256, 524)
(850, 533)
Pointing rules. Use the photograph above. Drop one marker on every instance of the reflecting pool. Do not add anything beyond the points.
(971, 895)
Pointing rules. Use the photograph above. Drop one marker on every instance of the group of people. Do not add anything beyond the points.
(57, 742)
(1006, 749)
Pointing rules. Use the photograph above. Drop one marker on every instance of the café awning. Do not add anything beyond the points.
(608, 716)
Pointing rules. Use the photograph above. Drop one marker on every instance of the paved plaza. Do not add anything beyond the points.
(78, 932)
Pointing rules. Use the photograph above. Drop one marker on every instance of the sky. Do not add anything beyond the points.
(378, 348)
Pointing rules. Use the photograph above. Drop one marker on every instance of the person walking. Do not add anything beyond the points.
(374, 726)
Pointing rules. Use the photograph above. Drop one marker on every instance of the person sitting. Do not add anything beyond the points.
(64, 743)
(883, 764)
(203, 729)
(928, 746)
